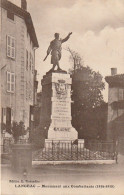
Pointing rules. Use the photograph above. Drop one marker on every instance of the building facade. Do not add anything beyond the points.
(17, 63)
(115, 125)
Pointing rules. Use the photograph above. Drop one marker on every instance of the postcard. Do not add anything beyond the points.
(62, 97)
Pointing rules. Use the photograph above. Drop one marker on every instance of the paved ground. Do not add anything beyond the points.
(66, 180)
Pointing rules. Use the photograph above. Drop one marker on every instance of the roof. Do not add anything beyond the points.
(115, 80)
(25, 15)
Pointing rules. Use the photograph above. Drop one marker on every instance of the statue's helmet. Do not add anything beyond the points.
(56, 35)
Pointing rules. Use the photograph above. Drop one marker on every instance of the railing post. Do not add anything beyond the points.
(116, 151)
(4, 145)
(58, 150)
(52, 151)
(71, 150)
(77, 150)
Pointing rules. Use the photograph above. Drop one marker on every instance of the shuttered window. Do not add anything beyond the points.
(32, 64)
(30, 61)
(121, 94)
(11, 47)
(10, 82)
(26, 59)
(3, 119)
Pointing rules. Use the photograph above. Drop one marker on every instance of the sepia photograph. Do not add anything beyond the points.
(62, 97)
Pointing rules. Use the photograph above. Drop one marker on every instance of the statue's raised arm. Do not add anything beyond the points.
(66, 38)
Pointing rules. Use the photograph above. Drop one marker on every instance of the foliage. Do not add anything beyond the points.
(17, 130)
(3, 126)
(37, 136)
(77, 61)
(91, 123)
(87, 86)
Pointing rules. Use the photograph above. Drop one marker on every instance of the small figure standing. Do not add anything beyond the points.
(55, 49)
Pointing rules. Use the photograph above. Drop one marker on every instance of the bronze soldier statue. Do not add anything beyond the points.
(55, 49)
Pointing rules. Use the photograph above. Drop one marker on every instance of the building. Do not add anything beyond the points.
(17, 63)
(115, 127)
(38, 109)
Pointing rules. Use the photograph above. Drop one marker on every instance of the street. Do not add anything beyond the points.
(66, 180)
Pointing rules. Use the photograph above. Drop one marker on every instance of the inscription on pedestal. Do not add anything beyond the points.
(59, 85)
(61, 109)
(61, 106)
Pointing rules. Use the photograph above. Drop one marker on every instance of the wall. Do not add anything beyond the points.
(21, 100)
(115, 94)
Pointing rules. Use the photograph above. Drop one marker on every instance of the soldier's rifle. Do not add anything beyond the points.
(46, 57)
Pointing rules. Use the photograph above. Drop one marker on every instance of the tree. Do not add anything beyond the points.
(77, 61)
(37, 137)
(17, 130)
(87, 86)
(3, 127)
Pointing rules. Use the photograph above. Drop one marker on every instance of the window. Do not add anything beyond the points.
(26, 59)
(27, 90)
(30, 91)
(10, 82)
(121, 94)
(3, 115)
(30, 61)
(8, 119)
(12, 115)
(10, 47)
(32, 65)
(10, 15)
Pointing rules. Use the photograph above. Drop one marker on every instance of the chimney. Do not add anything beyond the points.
(113, 71)
(24, 4)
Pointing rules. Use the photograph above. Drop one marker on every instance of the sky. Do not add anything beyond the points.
(98, 33)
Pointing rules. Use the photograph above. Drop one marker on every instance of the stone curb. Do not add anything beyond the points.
(34, 163)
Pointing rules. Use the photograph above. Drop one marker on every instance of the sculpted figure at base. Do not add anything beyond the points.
(55, 49)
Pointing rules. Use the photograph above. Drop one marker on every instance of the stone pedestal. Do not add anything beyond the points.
(56, 108)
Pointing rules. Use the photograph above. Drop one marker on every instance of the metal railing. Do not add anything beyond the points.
(6, 144)
(67, 151)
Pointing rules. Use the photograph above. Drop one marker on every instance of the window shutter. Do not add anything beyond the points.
(9, 41)
(8, 82)
(32, 65)
(12, 82)
(26, 59)
(12, 77)
(13, 42)
(3, 117)
(13, 47)
(12, 115)
(120, 95)
(30, 61)
(26, 90)
(8, 119)
(10, 47)
(8, 76)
